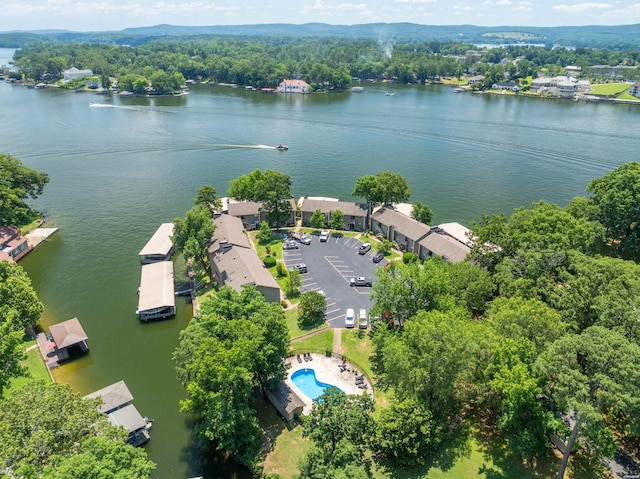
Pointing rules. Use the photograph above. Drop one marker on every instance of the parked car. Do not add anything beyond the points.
(302, 268)
(349, 319)
(363, 321)
(377, 258)
(360, 281)
(364, 248)
(305, 239)
(324, 236)
(289, 245)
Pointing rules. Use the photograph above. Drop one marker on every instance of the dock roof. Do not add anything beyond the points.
(113, 396)
(446, 247)
(68, 333)
(160, 243)
(128, 417)
(156, 286)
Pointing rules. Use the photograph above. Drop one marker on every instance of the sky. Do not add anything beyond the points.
(100, 15)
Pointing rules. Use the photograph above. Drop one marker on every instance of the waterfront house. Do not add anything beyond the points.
(293, 86)
(235, 263)
(114, 396)
(73, 74)
(156, 295)
(506, 85)
(475, 79)
(354, 214)
(448, 248)
(616, 72)
(634, 90)
(403, 230)
(159, 247)
(567, 88)
(13, 246)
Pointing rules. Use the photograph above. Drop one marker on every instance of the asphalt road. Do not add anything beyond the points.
(330, 266)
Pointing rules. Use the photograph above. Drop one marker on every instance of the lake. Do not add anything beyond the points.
(120, 168)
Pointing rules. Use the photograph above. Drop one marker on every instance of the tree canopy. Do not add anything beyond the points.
(192, 234)
(383, 188)
(17, 184)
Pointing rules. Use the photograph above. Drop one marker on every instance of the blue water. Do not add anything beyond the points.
(306, 381)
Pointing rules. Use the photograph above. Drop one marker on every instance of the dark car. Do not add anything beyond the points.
(377, 258)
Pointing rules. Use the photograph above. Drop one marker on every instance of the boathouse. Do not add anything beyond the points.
(132, 421)
(156, 293)
(63, 337)
(159, 247)
(114, 397)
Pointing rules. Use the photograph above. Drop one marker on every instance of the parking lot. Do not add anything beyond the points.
(331, 266)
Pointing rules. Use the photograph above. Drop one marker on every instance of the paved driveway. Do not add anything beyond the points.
(331, 265)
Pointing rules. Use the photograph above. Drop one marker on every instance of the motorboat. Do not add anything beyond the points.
(281, 147)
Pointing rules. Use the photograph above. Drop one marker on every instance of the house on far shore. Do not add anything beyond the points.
(156, 295)
(475, 79)
(293, 86)
(159, 247)
(354, 214)
(403, 230)
(234, 263)
(634, 90)
(73, 74)
(506, 85)
(13, 246)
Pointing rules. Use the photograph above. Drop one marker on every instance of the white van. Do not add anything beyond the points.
(349, 319)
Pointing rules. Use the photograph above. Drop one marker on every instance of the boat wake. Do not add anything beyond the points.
(253, 147)
(106, 105)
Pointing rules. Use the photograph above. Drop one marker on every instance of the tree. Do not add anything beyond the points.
(10, 351)
(617, 197)
(384, 246)
(228, 354)
(17, 183)
(471, 285)
(317, 219)
(365, 187)
(208, 197)
(264, 233)
(422, 213)
(337, 220)
(42, 420)
(292, 283)
(243, 188)
(405, 432)
(192, 234)
(311, 309)
(385, 188)
(101, 458)
(589, 374)
(17, 295)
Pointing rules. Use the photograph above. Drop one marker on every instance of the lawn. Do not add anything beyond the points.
(627, 96)
(291, 316)
(320, 343)
(609, 88)
(35, 367)
(375, 242)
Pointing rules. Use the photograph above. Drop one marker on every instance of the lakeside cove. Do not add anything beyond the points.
(118, 172)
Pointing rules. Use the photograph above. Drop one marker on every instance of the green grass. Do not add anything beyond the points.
(627, 96)
(357, 348)
(291, 316)
(319, 343)
(609, 88)
(24, 229)
(36, 369)
(375, 242)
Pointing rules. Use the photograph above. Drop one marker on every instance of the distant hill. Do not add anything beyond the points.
(594, 36)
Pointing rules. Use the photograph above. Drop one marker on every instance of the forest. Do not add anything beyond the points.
(324, 63)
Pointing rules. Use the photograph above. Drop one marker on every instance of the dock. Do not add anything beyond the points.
(156, 293)
(159, 247)
(54, 347)
(38, 236)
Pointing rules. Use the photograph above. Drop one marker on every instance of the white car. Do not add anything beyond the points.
(305, 239)
(349, 319)
(363, 322)
(324, 236)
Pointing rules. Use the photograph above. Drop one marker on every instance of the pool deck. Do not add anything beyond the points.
(327, 371)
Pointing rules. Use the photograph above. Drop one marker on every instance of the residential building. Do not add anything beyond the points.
(606, 71)
(403, 230)
(506, 85)
(13, 246)
(567, 89)
(455, 230)
(448, 248)
(354, 214)
(250, 212)
(73, 74)
(634, 89)
(234, 262)
(475, 79)
(293, 86)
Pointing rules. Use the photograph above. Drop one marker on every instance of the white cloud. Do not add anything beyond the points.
(503, 2)
(581, 7)
(415, 1)
(352, 7)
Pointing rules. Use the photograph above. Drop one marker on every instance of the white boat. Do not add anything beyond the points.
(281, 147)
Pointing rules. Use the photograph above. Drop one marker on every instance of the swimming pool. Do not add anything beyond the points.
(305, 380)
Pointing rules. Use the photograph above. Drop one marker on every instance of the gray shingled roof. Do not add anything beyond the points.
(113, 396)
(241, 266)
(244, 208)
(160, 242)
(68, 333)
(128, 417)
(403, 224)
(450, 249)
(156, 286)
(230, 229)
(286, 397)
(309, 205)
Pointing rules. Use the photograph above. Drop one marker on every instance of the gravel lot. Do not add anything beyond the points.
(331, 265)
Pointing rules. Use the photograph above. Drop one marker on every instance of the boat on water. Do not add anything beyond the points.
(458, 90)
(388, 93)
(281, 147)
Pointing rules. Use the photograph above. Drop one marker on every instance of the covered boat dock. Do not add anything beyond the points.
(159, 247)
(156, 294)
